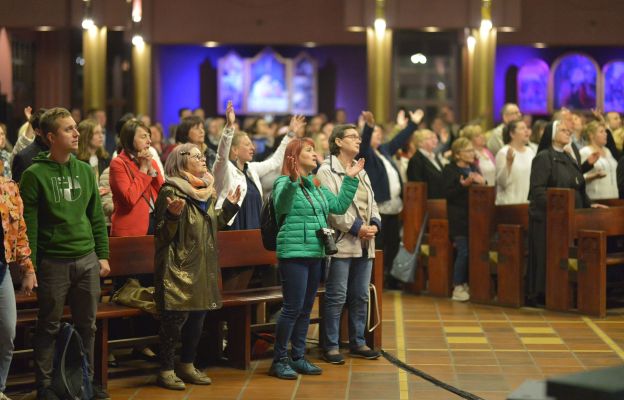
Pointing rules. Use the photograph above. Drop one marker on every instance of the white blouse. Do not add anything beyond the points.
(601, 188)
(486, 167)
(512, 186)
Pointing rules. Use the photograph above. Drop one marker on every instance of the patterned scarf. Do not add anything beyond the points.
(200, 189)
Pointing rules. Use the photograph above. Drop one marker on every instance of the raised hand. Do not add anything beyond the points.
(354, 169)
(593, 157)
(175, 207)
(296, 123)
(511, 155)
(234, 196)
(417, 116)
(401, 119)
(27, 113)
(368, 118)
(599, 115)
(230, 116)
(294, 168)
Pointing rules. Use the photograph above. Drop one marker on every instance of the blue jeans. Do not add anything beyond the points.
(8, 319)
(347, 281)
(460, 269)
(300, 281)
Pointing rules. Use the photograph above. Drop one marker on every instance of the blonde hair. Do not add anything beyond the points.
(470, 132)
(420, 136)
(459, 145)
(591, 129)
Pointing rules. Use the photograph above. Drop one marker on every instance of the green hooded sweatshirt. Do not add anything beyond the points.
(64, 216)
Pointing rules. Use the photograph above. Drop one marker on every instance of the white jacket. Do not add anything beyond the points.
(331, 174)
(228, 177)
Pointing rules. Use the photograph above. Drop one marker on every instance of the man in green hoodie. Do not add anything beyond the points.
(68, 240)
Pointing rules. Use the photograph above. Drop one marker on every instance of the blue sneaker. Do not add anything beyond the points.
(281, 369)
(305, 367)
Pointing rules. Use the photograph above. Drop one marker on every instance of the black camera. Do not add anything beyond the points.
(327, 237)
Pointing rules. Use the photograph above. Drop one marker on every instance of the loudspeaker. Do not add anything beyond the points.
(601, 384)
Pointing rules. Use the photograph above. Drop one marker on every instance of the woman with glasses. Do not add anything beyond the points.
(186, 276)
(458, 176)
(350, 269)
(234, 167)
(135, 181)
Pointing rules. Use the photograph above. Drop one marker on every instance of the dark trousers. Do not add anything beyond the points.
(300, 281)
(389, 240)
(78, 282)
(186, 326)
(460, 268)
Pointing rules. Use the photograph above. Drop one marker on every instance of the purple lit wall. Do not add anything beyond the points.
(508, 56)
(178, 75)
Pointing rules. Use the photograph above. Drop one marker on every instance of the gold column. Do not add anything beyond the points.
(142, 73)
(379, 60)
(481, 70)
(94, 79)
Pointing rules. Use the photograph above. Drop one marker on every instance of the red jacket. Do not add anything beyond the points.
(132, 191)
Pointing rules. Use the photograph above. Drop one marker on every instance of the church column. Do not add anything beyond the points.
(94, 80)
(142, 72)
(379, 62)
(481, 57)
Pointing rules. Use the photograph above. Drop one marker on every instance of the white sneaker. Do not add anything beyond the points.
(460, 294)
(3, 396)
(466, 288)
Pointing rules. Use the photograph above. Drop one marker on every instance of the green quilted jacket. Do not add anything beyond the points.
(297, 235)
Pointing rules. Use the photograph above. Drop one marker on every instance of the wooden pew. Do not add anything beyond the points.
(437, 248)
(135, 255)
(576, 252)
(496, 247)
(244, 248)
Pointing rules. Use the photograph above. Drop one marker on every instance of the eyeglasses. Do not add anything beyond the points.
(198, 157)
(354, 137)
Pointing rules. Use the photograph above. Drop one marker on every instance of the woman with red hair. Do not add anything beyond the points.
(304, 239)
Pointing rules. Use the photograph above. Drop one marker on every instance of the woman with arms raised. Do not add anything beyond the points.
(303, 242)
(186, 276)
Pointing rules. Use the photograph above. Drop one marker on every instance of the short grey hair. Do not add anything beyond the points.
(176, 162)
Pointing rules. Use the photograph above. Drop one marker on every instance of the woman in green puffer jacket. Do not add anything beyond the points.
(303, 205)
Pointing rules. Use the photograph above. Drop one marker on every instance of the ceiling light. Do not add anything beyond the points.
(471, 42)
(211, 44)
(431, 29)
(355, 28)
(309, 44)
(418, 58)
(506, 29)
(137, 41)
(539, 45)
(380, 25)
(87, 24)
(44, 28)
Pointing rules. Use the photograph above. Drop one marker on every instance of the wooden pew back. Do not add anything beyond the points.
(590, 228)
(509, 223)
(440, 248)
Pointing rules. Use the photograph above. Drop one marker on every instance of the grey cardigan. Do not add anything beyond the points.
(331, 174)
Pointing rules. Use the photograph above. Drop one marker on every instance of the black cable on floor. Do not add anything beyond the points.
(427, 377)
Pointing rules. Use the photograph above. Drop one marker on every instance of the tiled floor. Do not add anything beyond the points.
(488, 351)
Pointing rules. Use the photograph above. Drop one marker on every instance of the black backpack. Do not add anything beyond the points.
(269, 227)
(70, 379)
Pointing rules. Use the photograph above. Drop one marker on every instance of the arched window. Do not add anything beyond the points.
(613, 75)
(267, 86)
(230, 81)
(304, 90)
(532, 87)
(575, 82)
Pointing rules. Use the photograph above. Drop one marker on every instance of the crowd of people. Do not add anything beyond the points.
(336, 188)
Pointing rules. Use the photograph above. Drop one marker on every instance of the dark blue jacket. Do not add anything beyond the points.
(374, 165)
